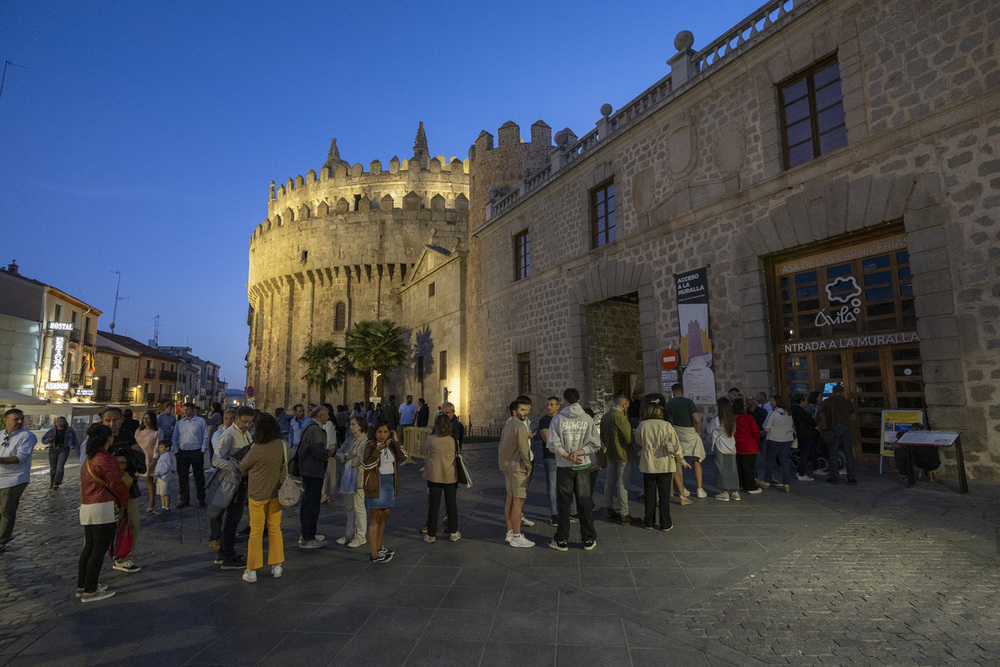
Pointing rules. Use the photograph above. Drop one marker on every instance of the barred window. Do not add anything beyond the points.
(524, 373)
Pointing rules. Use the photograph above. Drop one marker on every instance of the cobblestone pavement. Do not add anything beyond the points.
(869, 575)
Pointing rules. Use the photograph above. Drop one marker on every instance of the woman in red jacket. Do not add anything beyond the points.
(101, 490)
(747, 439)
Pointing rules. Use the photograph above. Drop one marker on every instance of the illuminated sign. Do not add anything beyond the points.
(84, 392)
(56, 386)
(60, 326)
(58, 352)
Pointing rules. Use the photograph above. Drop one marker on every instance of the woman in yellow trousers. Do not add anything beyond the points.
(265, 465)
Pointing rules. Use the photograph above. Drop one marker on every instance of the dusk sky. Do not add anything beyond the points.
(142, 136)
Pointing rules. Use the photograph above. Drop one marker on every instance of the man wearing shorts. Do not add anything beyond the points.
(514, 459)
(683, 415)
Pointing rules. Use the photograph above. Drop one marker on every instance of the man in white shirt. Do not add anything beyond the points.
(15, 470)
(190, 442)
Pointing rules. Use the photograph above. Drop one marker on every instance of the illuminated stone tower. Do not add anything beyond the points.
(334, 249)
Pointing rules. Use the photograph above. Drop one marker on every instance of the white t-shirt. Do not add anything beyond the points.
(385, 462)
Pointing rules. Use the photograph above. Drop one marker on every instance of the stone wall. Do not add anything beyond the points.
(700, 181)
(612, 345)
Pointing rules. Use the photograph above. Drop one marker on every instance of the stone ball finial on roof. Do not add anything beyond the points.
(684, 40)
(561, 138)
(606, 110)
(494, 192)
(525, 173)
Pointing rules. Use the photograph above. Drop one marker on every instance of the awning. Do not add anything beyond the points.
(9, 397)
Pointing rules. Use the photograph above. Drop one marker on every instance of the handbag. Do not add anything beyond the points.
(349, 480)
(290, 491)
(121, 546)
(461, 472)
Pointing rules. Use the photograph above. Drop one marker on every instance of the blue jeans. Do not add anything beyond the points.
(783, 450)
(550, 486)
(57, 464)
(841, 442)
(616, 486)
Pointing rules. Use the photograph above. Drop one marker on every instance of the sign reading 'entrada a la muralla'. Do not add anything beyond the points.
(847, 342)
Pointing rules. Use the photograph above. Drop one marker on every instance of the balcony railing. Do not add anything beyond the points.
(74, 336)
(88, 339)
(168, 375)
(150, 373)
(164, 398)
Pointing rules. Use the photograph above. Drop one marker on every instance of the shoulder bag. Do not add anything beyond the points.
(290, 491)
(461, 472)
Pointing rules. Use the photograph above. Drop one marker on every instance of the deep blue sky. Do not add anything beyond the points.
(142, 135)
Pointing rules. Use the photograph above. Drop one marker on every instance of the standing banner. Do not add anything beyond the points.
(894, 423)
(696, 336)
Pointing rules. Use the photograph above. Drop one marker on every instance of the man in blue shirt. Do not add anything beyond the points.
(190, 442)
(165, 422)
(295, 427)
(15, 470)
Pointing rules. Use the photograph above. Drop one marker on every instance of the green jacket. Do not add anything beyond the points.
(616, 436)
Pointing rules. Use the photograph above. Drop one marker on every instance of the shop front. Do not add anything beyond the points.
(842, 313)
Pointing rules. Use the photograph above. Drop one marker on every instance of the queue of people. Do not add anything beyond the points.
(251, 459)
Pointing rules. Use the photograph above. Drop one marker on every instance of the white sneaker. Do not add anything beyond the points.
(341, 540)
(510, 536)
(96, 595)
(735, 495)
(757, 490)
(521, 541)
(702, 494)
(686, 493)
(722, 496)
(355, 543)
(525, 521)
(276, 571)
(250, 576)
(805, 478)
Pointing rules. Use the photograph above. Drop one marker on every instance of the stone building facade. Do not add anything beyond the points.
(336, 248)
(830, 167)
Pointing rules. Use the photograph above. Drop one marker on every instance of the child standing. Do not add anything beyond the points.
(164, 466)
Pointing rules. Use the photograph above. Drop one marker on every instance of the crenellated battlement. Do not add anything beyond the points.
(339, 187)
(412, 207)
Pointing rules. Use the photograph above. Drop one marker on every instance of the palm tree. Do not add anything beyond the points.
(327, 367)
(376, 345)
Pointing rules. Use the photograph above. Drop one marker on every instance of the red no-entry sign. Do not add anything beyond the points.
(669, 359)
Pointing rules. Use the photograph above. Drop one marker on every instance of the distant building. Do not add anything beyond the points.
(48, 339)
(200, 382)
(130, 372)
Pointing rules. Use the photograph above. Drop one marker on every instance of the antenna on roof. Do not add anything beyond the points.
(114, 312)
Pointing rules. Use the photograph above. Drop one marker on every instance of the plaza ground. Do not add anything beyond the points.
(874, 574)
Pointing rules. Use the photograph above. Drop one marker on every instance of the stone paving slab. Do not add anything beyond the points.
(874, 574)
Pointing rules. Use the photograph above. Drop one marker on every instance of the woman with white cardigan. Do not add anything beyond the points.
(349, 455)
(780, 429)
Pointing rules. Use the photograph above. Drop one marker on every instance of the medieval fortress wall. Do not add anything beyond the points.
(334, 249)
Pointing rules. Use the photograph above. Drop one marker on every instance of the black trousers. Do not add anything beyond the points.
(569, 484)
(746, 466)
(656, 486)
(96, 540)
(312, 496)
(434, 506)
(230, 520)
(191, 461)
